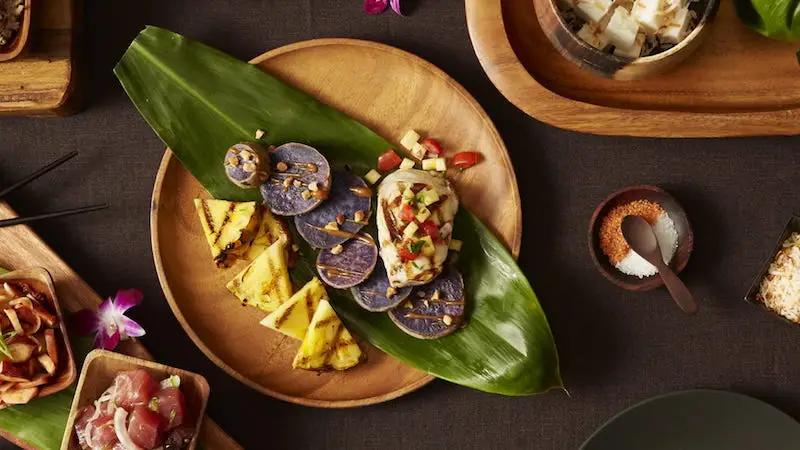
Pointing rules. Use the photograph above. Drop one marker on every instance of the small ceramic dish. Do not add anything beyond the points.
(98, 374)
(753, 294)
(621, 68)
(42, 282)
(668, 204)
(20, 41)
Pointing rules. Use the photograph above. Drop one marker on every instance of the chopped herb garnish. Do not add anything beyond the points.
(172, 415)
(416, 266)
(415, 247)
(154, 404)
(4, 346)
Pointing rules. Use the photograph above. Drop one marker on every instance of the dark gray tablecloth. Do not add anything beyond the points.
(617, 348)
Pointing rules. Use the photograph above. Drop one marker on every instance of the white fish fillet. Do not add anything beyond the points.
(424, 268)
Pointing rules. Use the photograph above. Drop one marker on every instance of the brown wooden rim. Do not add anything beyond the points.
(647, 283)
(500, 62)
(168, 159)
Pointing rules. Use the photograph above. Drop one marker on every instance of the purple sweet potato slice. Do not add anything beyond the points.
(335, 221)
(299, 180)
(349, 265)
(374, 294)
(433, 310)
(247, 164)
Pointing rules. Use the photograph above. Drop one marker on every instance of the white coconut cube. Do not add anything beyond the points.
(649, 14)
(591, 36)
(592, 10)
(633, 51)
(677, 27)
(622, 29)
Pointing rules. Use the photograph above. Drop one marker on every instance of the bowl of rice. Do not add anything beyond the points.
(777, 286)
(611, 254)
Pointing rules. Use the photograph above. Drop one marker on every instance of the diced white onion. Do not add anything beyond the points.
(407, 163)
(372, 176)
(172, 381)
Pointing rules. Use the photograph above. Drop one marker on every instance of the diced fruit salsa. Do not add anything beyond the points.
(135, 413)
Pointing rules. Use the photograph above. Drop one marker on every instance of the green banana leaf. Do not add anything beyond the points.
(777, 19)
(200, 101)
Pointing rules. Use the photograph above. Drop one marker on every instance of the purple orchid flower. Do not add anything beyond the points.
(109, 322)
(379, 6)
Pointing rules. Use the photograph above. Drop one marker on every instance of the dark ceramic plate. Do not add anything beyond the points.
(752, 294)
(698, 420)
(676, 213)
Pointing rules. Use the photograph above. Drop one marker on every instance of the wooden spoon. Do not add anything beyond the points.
(641, 238)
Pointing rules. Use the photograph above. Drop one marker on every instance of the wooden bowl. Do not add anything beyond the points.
(20, 42)
(98, 374)
(676, 213)
(42, 281)
(793, 226)
(621, 68)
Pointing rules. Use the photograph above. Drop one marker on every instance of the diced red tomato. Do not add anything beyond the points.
(134, 388)
(388, 161)
(406, 213)
(466, 159)
(144, 427)
(170, 405)
(431, 229)
(406, 254)
(432, 146)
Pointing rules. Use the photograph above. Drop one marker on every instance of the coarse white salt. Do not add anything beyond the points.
(667, 237)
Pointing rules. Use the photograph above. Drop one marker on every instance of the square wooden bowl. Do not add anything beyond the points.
(98, 374)
(752, 295)
(42, 281)
(20, 41)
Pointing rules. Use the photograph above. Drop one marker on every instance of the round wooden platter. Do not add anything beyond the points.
(716, 92)
(390, 91)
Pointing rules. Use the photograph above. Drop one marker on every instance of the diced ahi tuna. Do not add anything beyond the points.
(102, 432)
(170, 405)
(82, 418)
(144, 427)
(134, 388)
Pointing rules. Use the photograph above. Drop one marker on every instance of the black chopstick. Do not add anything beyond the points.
(38, 173)
(52, 215)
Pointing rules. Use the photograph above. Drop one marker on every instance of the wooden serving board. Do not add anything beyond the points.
(421, 97)
(43, 80)
(21, 248)
(738, 83)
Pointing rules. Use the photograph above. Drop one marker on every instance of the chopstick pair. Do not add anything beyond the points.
(52, 215)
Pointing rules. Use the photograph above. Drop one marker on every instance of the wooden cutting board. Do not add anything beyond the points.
(20, 248)
(43, 80)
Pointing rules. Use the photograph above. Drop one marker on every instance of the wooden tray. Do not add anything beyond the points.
(20, 248)
(98, 374)
(43, 80)
(421, 97)
(738, 83)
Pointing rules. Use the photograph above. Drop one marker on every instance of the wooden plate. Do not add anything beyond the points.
(717, 91)
(99, 371)
(390, 92)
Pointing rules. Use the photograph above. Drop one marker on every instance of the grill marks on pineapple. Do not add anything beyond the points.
(217, 232)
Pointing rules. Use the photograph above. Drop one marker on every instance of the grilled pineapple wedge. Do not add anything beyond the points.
(270, 230)
(229, 227)
(293, 317)
(321, 349)
(265, 283)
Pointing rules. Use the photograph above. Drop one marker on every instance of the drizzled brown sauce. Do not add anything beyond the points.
(361, 191)
(412, 315)
(340, 272)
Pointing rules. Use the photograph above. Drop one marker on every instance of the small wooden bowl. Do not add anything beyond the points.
(615, 67)
(752, 294)
(98, 374)
(676, 213)
(42, 281)
(20, 42)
